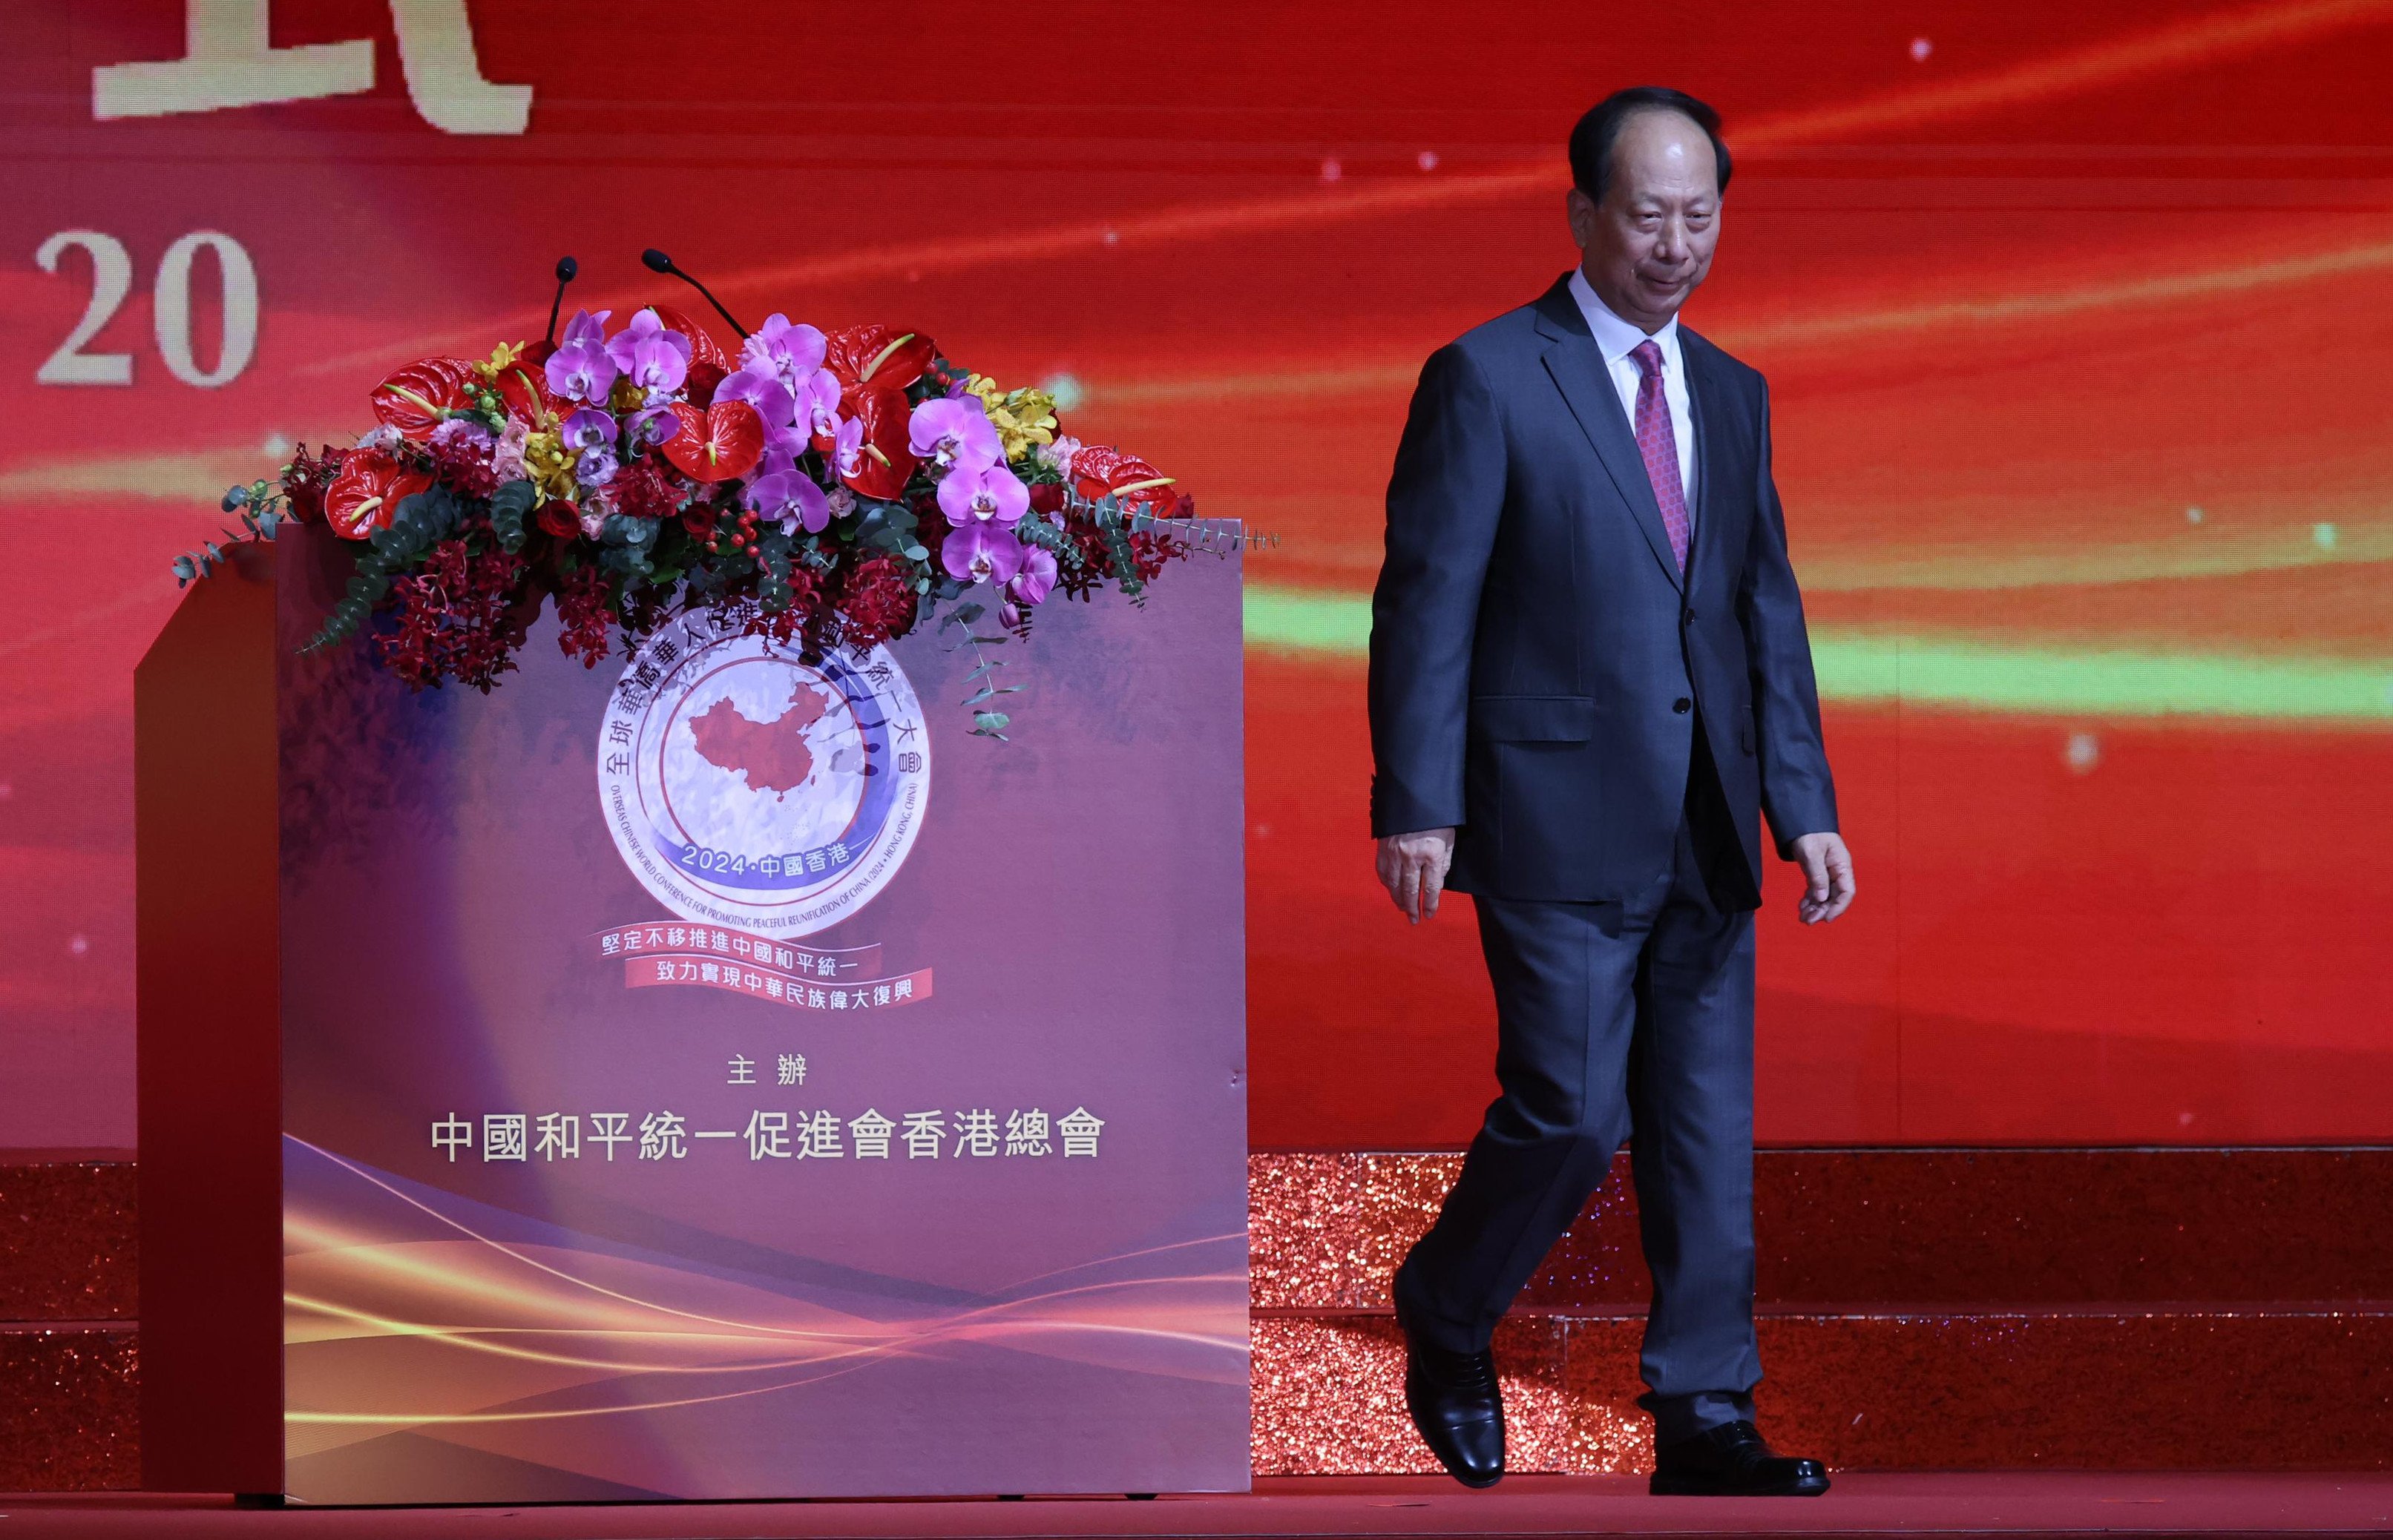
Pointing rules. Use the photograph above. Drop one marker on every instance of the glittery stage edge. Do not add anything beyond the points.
(69, 1417)
(1920, 1309)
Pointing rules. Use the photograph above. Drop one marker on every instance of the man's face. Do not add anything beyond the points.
(1650, 241)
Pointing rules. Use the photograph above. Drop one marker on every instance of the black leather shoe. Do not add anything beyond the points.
(1458, 1408)
(1731, 1461)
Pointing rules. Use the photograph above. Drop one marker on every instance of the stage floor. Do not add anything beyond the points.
(2040, 1503)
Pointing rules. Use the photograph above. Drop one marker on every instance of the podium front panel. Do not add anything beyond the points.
(719, 1075)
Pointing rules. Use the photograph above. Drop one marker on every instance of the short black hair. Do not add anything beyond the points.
(1591, 141)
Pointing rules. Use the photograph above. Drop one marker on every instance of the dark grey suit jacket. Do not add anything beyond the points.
(1538, 667)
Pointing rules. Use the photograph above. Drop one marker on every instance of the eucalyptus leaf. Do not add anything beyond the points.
(510, 505)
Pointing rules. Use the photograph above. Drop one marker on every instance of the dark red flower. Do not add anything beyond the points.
(457, 616)
(802, 618)
(641, 490)
(1149, 551)
(1046, 497)
(462, 458)
(559, 518)
(306, 478)
(585, 609)
(699, 519)
(703, 379)
(876, 604)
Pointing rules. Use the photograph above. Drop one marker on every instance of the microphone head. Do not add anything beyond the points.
(657, 261)
(566, 268)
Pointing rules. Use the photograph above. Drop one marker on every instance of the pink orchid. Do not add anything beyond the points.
(650, 355)
(791, 497)
(949, 430)
(581, 372)
(789, 352)
(764, 392)
(588, 428)
(1037, 578)
(654, 425)
(818, 403)
(782, 446)
(985, 494)
(978, 552)
(847, 448)
(588, 328)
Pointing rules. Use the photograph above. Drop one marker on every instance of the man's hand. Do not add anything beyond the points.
(1827, 876)
(1412, 868)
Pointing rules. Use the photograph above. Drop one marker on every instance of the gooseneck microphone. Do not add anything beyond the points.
(658, 262)
(566, 268)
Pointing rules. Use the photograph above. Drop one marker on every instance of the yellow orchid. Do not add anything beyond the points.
(1021, 417)
(626, 396)
(549, 465)
(501, 357)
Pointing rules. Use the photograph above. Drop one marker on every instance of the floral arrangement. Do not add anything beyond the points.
(830, 489)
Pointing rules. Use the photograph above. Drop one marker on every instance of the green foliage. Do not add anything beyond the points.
(510, 505)
(1038, 530)
(417, 524)
(893, 527)
(1124, 563)
(629, 544)
(261, 505)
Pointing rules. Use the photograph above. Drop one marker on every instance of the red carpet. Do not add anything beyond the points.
(2026, 1504)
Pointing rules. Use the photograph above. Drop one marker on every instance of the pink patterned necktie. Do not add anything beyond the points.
(1658, 443)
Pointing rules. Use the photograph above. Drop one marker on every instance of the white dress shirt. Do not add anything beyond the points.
(1618, 339)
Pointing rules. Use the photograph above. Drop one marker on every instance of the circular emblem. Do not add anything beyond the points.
(747, 787)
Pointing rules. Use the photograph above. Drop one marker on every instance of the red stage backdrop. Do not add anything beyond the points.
(2079, 321)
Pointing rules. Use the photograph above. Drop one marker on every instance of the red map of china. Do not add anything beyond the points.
(772, 755)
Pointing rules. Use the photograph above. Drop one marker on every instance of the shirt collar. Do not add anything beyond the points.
(1618, 339)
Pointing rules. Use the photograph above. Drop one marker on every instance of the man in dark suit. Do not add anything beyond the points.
(1590, 675)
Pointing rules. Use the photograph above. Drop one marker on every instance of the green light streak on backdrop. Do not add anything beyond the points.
(1959, 672)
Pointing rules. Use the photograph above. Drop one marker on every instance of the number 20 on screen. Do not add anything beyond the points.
(111, 279)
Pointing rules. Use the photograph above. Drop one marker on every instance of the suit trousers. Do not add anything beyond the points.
(1619, 1020)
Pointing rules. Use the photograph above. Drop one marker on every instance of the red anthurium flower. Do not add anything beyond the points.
(703, 348)
(703, 379)
(877, 356)
(419, 398)
(367, 493)
(1098, 470)
(723, 441)
(523, 386)
(876, 460)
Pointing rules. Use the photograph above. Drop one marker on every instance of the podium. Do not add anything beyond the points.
(716, 1073)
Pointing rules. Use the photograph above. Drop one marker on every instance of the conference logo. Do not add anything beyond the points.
(747, 787)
